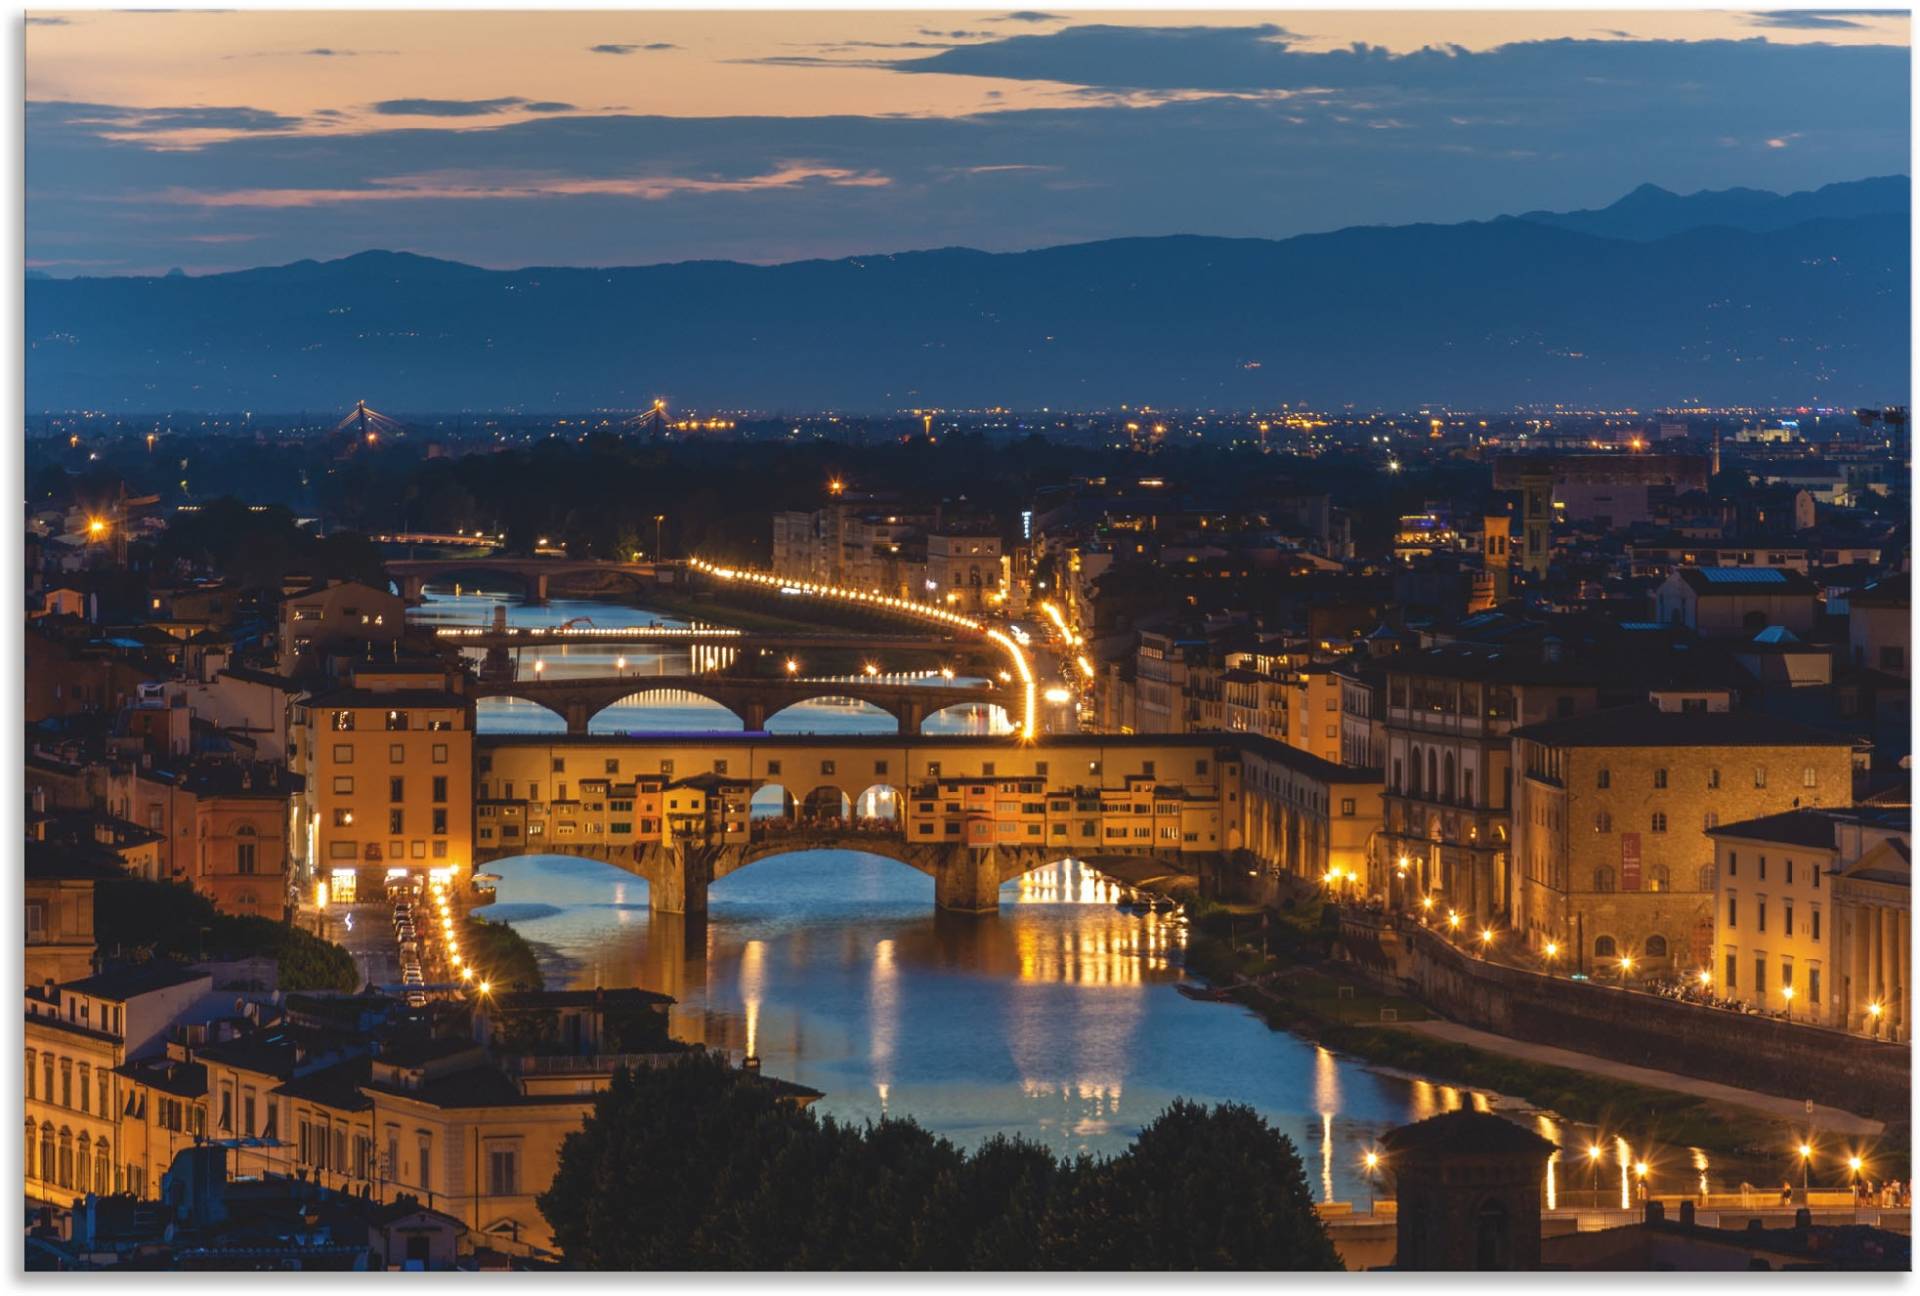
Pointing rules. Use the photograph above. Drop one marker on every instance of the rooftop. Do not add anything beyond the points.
(1644, 725)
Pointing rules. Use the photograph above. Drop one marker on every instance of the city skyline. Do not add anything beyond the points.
(210, 141)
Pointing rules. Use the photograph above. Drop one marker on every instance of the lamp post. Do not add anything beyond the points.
(1873, 1018)
(658, 519)
(1552, 951)
(1594, 1156)
(1806, 1164)
(1373, 1164)
(1786, 993)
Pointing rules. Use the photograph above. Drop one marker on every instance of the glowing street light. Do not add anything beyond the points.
(1786, 993)
(871, 669)
(793, 667)
(1806, 1163)
(539, 666)
(1552, 950)
(1453, 919)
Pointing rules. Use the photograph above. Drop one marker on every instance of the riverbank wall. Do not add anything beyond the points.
(1789, 1060)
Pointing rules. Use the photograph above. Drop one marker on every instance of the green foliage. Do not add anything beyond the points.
(501, 955)
(258, 549)
(173, 921)
(700, 1166)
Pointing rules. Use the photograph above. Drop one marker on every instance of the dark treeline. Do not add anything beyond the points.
(598, 495)
(700, 1166)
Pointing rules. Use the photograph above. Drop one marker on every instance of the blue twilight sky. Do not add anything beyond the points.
(216, 140)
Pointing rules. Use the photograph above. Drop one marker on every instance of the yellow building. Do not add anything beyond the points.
(78, 1035)
(388, 769)
(1611, 816)
(1778, 927)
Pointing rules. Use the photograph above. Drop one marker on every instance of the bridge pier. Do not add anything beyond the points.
(678, 883)
(967, 880)
(579, 715)
(538, 593)
(413, 590)
(753, 715)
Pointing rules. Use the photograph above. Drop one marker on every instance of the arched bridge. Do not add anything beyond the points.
(966, 879)
(413, 574)
(578, 701)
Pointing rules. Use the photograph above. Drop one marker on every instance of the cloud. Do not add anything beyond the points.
(1028, 16)
(629, 49)
(1244, 135)
(954, 35)
(47, 22)
(1816, 19)
(466, 187)
(115, 121)
(551, 106)
(447, 107)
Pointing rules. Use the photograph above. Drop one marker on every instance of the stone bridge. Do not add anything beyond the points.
(578, 701)
(966, 879)
(534, 574)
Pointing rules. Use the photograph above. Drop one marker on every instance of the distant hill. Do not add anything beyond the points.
(1490, 314)
(1651, 212)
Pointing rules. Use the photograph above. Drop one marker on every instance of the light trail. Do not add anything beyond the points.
(1030, 720)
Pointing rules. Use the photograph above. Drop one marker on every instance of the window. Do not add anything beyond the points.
(244, 859)
(1813, 984)
(343, 753)
(397, 721)
(396, 754)
(1603, 878)
(1659, 821)
(439, 753)
(396, 788)
(1713, 778)
(1761, 865)
(502, 1176)
(1706, 877)
(396, 821)
(439, 787)
(31, 1071)
(559, 764)
(1733, 971)
(1711, 821)
(1733, 910)
(1760, 914)
(343, 784)
(1786, 919)
(1346, 805)
(1814, 930)
(1789, 864)
(1760, 976)
(827, 767)
(1604, 947)
(1809, 778)
(1660, 777)
(612, 765)
(1733, 863)
(439, 821)
(1656, 947)
(36, 920)
(1759, 776)
(773, 768)
(1603, 822)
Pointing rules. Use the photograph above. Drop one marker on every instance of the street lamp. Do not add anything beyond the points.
(1486, 941)
(1453, 920)
(1873, 1013)
(1626, 967)
(1372, 1160)
(539, 666)
(1806, 1162)
(658, 552)
(1594, 1157)
(871, 669)
(620, 665)
(1786, 993)
(793, 667)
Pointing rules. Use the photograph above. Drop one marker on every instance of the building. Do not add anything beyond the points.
(343, 616)
(388, 781)
(1880, 627)
(1724, 602)
(1782, 939)
(1611, 815)
(1468, 1189)
(59, 915)
(78, 1035)
(964, 567)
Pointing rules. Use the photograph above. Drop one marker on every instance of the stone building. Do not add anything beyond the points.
(1717, 602)
(1469, 1188)
(1778, 920)
(388, 780)
(1611, 812)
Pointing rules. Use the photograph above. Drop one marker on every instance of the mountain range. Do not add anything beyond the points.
(1731, 297)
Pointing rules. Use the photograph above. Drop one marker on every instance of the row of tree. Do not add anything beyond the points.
(698, 1165)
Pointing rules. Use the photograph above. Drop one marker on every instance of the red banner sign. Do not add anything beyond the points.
(1630, 861)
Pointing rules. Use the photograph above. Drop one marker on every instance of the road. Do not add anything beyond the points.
(369, 939)
(1827, 1119)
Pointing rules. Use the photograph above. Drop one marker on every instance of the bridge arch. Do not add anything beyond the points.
(772, 801)
(840, 713)
(826, 803)
(475, 579)
(880, 803)
(982, 718)
(511, 713)
(672, 710)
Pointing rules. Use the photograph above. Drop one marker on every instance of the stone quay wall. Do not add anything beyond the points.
(1871, 1077)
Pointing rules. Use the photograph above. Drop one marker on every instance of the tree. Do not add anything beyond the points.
(700, 1166)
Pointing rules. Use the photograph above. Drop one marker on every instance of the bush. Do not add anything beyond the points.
(170, 920)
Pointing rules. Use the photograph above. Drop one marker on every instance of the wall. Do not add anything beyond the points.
(1792, 1061)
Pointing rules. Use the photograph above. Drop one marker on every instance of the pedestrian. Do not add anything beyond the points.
(1786, 1193)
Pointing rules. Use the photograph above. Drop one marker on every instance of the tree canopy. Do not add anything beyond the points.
(697, 1165)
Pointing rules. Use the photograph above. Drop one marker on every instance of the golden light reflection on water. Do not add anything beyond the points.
(1117, 948)
(1550, 1130)
(1700, 1164)
(753, 960)
(883, 1009)
(1624, 1155)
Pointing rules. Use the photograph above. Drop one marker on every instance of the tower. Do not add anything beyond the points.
(1496, 553)
(1536, 492)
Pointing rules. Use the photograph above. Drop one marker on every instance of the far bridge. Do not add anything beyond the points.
(533, 575)
(753, 701)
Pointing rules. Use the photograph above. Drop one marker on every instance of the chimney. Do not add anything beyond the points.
(1656, 1212)
(1686, 1213)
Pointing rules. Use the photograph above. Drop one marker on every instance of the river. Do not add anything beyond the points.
(1058, 1019)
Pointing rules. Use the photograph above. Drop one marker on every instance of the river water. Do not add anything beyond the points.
(1057, 1019)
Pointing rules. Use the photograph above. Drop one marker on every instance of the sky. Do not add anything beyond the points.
(211, 140)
